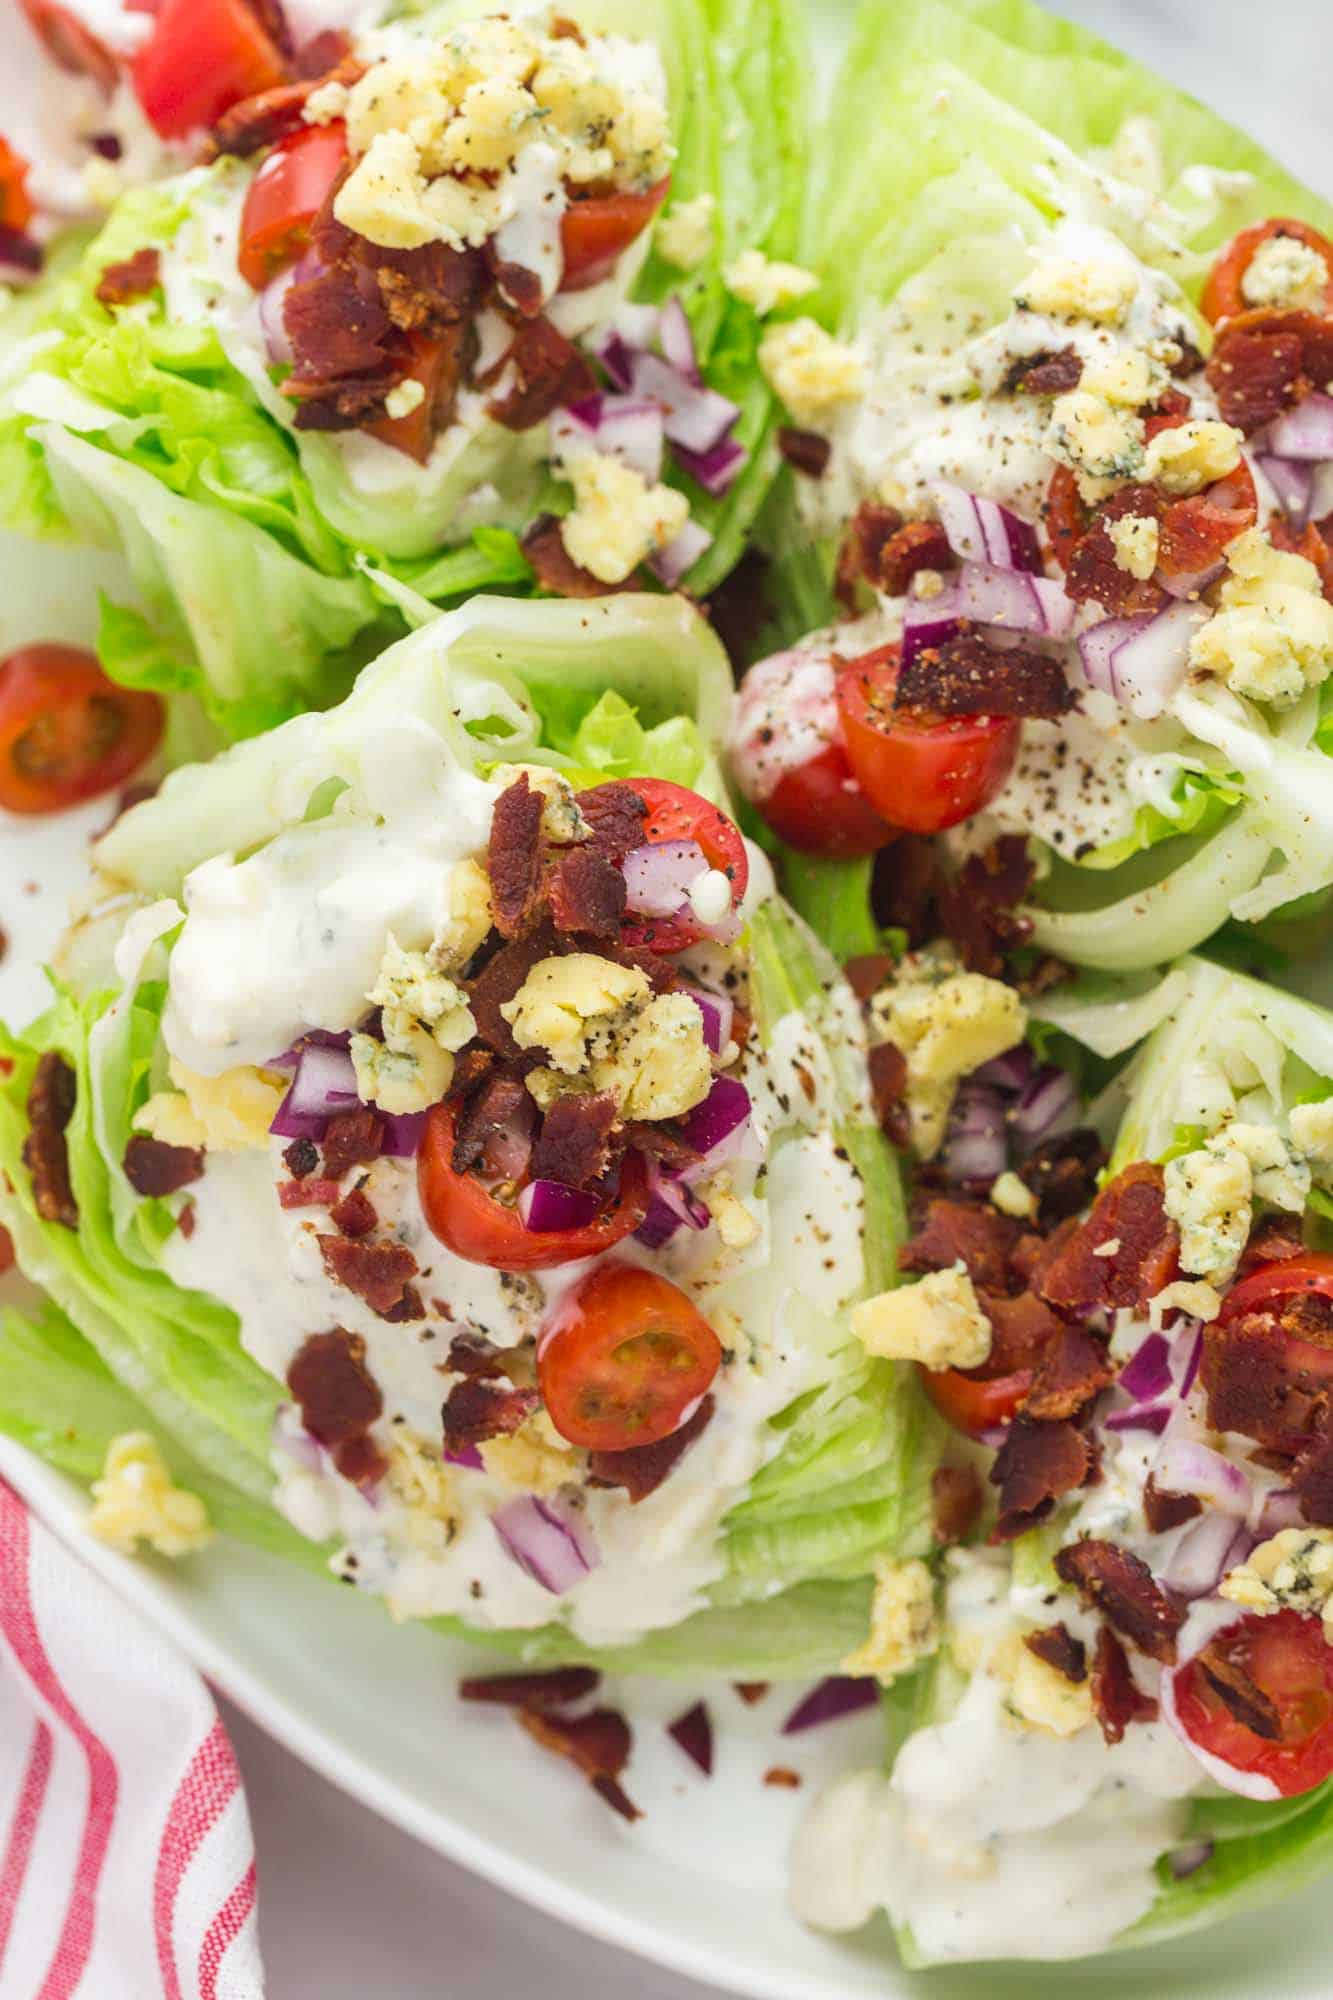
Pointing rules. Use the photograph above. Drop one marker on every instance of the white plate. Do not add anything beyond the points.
(698, 1884)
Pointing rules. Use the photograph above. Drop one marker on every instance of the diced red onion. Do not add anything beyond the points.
(1141, 661)
(675, 337)
(1304, 432)
(466, 1455)
(1145, 1416)
(716, 468)
(983, 531)
(1047, 1106)
(658, 876)
(1282, 1509)
(320, 1038)
(324, 1084)
(552, 1205)
(1249, 1784)
(923, 633)
(1186, 1861)
(1147, 1374)
(718, 1010)
(630, 329)
(1009, 1072)
(975, 1145)
(670, 564)
(1183, 1465)
(1191, 583)
(835, 1697)
(1192, 1365)
(722, 1113)
(694, 1733)
(627, 428)
(1202, 1556)
(1004, 597)
(671, 1206)
(1098, 646)
(402, 1134)
(1292, 480)
(549, 1541)
(272, 299)
(693, 416)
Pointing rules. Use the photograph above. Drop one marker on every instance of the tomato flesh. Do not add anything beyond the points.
(820, 809)
(625, 1359)
(71, 45)
(6, 1252)
(596, 228)
(923, 774)
(284, 198)
(972, 1404)
(202, 57)
(433, 356)
(472, 1222)
(1286, 1656)
(676, 813)
(1224, 295)
(66, 731)
(16, 209)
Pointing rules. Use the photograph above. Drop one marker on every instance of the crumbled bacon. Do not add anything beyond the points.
(644, 1467)
(1237, 1691)
(1130, 1224)
(598, 1744)
(574, 1144)
(409, 1307)
(515, 857)
(1315, 543)
(662, 1141)
(955, 1502)
(301, 1158)
(153, 1168)
(475, 1411)
(968, 1232)
(376, 1272)
(1092, 574)
(323, 52)
(263, 119)
(1022, 1332)
(1312, 1478)
(973, 908)
(1256, 376)
(1266, 1383)
(881, 549)
(51, 1100)
(343, 344)
(352, 1139)
(616, 813)
(867, 973)
(1163, 1509)
(518, 287)
(498, 982)
(1062, 1173)
(1045, 374)
(966, 675)
(1117, 1698)
(338, 1398)
(1057, 1646)
(556, 1687)
(888, 1091)
(807, 452)
(1073, 1370)
(133, 278)
(473, 1356)
(1120, 1585)
(427, 290)
(587, 893)
(308, 1193)
(501, 1110)
(355, 1214)
(548, 369)
(1035, 1466)
(555, 568)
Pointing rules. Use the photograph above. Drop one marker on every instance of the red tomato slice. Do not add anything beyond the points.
(434, 358)
(1223, 296)
(1271, 1283)
(71, 45)
(16, 210)
(202, 57)
(284, 198)
(676, 813)
(595, 228)
(924, 774)
(1287, 1658)
(820, 809)
(625, 1359)
(788, 757)
(66, 731)
(972, 1404)
(468, 1218)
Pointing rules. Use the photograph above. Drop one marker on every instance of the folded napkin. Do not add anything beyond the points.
(127, 1868)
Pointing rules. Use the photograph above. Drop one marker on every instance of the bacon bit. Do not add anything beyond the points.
(1312, 1477)
(663, 1141)
(308, 1194)
(1092, 574)
(693, 1731)
(265, 118)
(1117, 1698)
(51, 1101)
(1130, 1211)
(867, 973)
(1035, 1466)
(472, 1068)
(301, 1158)
(475, 1411)
(502, 1106)
(555, 568)
(782, 1777)
(519, 288)
(352, 1139)
(587, 893)
(473, 1356)
(355, 1214)
(888, 1092)
(1063, 1174)
(1237, 1691)
(430, 290)
(1120, 1585)
(1259, 1383)
(557, 1687)
(955, 1502)
(573, 1146)
(186, 1218)
(515, 857)
(339, 1400)
(1163, 1509)
(807, 452)
(1071, 1372)
(1023, 1331)
(644, 1467)
(342, 340)
(879, 548)
(1315, 544)
(751, 1692)
(740, 608)
(967, 676)
(550, 371)
(616, 813)
(20, 250)
(1256, 376)
(153, 1168)
(1057, 1646)
(322, 53)
(498, 982)
(967, 1232)
(133, 278)
(598, 1745)
(1045, 374)
(376, 1272)
(974, 909)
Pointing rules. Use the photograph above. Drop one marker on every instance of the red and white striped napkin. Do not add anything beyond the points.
(127, 1868)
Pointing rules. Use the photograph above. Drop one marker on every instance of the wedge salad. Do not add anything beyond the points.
(806, 1156)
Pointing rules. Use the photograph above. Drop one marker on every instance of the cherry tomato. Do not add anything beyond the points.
(972, 1404)
(66, 731)
(71, 45)
(676, 813)
(923, 773)
(473, 1223)
(625, 1359)
(1265, 1288)
(435, 358)
(1196, 533)
(284, 198)
(1287, 1658)
(6, 1252)
(595, 228)
(202, 57)
(16, 210)
(788, 758)
(821, 809)
(1224, 294)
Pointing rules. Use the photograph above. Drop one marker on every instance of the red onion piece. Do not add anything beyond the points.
(924, 633)
(694, 1733)
(1151, 1417)
(835, 1697)
(320, 1038)
(1149, 666)
(670, 564)
(658, 876)
(1192, 1364)
(1147, 1374)
(1282, 1509)
(983, 531)
(271, 301)
(626, 428)
(549, 1541)
(1183, 1465)
(1047, 1106)
(1191, 584)
(693, 416)
(466, 1455)
(716, 468)
(552, 1205)
(1004, 597)
(1098, 646)
(630, 329)
(1203, 1554)
(975, 1144)
(723, 1112)
(675, 337)
(718, 1010)
(402, 1134)
(1009, 1072)
(672, 1205)
(1304, 432)
(324, 1084)
(1292, 480)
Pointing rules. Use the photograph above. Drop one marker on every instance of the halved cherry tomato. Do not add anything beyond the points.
(624, 1360)
(284, 198)
(820, 809)
(436, 358)
(972, 1404)
(788, 757)
(676, 813)
(6, 1251)
(202, 57)
(924, 773)
(1196, 533)
(16, 209)
(595, 228)
(71, 45)
(1224, 293)
(66, 731)
(473, 1223)
(1285, 1655)
(1265, 1288)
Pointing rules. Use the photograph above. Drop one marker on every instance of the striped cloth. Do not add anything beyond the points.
(127, 1868)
